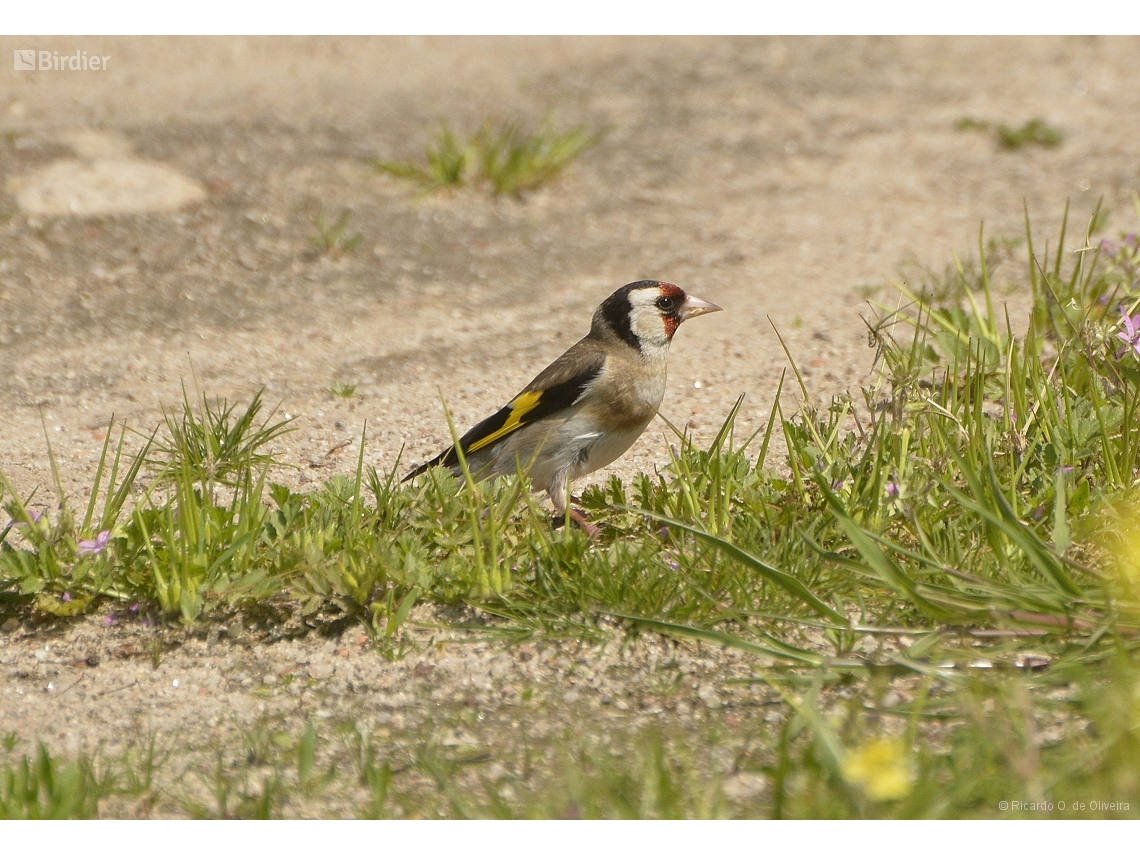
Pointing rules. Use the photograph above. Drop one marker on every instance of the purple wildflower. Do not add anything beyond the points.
(67, 596)
(1130, 335)
(134, 608)
(110, 620)
(94, 547)
(893, 488)
(35, 517)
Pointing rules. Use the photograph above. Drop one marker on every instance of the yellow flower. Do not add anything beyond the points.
(884, 769)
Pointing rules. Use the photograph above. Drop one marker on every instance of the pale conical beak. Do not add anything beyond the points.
(693, 307)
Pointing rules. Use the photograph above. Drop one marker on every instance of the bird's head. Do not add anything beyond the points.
(645, 314)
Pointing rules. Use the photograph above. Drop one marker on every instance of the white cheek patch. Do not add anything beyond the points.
(649, 327)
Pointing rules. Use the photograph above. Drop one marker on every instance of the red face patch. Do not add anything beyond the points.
(672, 320)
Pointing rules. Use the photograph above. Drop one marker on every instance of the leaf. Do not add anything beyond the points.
(1062, 536)
(52, 604)
(771, 647)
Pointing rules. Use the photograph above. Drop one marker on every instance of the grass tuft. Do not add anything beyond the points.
(1035, 131)
(333, 236)
(507, 159)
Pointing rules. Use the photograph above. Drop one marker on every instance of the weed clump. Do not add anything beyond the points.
(1035, 131)
(507, 159)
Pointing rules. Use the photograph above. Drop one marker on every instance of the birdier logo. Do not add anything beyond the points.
(53, 60)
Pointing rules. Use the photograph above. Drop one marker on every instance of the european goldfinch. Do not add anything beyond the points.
(590, 405)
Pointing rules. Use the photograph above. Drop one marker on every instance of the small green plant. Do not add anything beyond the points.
(340, 389)
(514, 161)
(45, 788)
(213, 443)
(448, 162)
(333, 237)
(1035, 131)
(970, 123)
(507, 159)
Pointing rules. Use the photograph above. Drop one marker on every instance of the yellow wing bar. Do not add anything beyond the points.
(520, 406)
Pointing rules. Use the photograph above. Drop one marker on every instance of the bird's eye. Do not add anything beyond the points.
(667, 304)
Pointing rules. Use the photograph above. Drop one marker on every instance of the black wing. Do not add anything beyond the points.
(555, 389)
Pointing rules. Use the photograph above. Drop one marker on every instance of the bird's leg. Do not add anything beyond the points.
(592, 531)
(559, 494)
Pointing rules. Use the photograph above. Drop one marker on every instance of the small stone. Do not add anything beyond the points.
(397, 700)
(84, 189)
(10, 625)
(891, 699)
(320, 670)
(745, 785)
(709, 696)
(495, 772)
(480, 682)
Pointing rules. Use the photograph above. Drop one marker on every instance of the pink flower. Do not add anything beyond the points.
(35, 517)
(94, 547)
(1130, 335)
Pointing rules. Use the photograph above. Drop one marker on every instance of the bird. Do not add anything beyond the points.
(585, 409)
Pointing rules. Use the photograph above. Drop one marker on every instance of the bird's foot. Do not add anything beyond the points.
(592, 531)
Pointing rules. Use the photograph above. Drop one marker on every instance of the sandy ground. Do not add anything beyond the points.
(780, 178)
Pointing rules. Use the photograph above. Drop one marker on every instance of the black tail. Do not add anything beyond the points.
(446, 457)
